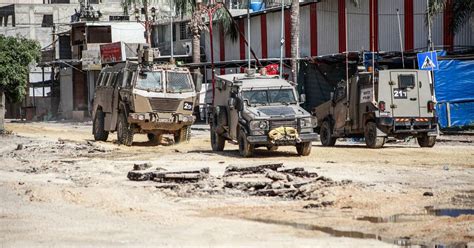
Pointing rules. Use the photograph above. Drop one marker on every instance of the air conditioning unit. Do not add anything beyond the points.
(188, 48)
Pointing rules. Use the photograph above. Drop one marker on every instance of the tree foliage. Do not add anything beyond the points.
(16, 54)
(462, 10)
(187, 8)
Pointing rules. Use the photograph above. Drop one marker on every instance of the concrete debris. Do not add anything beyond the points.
(428, 193)
(158, 175)
(271, 180)
(239, 170)
(143, 166)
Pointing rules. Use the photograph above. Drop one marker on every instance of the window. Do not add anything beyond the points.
(99, 34)
(406, 81)
(60, 1)
(129, 77)
(47, 21)
(150, 80)
(112, 78)
(179, 82)
(99, 79)
(104, 80)
(184, 32)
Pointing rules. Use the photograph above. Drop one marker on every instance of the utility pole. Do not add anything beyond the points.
(282, 39)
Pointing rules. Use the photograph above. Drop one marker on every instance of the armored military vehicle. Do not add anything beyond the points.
(397, 103)
(152, 99)
(259, 111)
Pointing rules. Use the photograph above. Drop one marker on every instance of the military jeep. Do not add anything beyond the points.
(255, 110)
(397, 103)
(152, 99)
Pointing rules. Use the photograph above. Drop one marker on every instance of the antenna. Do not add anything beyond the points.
(248, 31)
(400, 34)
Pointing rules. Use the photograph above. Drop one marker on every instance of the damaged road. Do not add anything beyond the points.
(59, 188)
(257, 180)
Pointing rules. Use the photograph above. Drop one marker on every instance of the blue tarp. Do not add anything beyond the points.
(454, 84)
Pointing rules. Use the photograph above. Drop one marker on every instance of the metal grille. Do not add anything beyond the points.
(283, 123)
(164, 104)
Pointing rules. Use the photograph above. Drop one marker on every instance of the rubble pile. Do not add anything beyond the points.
(276, 180)
(272, 180)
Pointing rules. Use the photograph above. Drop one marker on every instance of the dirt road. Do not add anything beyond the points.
(59, 188)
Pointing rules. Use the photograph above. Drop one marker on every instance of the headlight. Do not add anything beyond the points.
(305, 122)
(259, 125)
(141, 117)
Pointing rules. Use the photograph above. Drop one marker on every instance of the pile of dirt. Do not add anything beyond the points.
(272, 180)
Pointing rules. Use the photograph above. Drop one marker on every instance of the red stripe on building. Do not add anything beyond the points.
(409, 25)
(287, 34)
(241, 38)
(221, 47)
(313, 26)
(374, 25)
(448, 34)
(342, 25)
(263, 29)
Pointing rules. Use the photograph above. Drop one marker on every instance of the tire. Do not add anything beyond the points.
(245, 148)
(217, 141)
(370, 134)
(124, 131)
(325, 134)
(98, 126)
(426, 141)
(154, 138)
(303, 148)
(183, 135)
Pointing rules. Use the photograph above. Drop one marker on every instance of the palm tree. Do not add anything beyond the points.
(295, 38)
(461, 11)
(195, 9)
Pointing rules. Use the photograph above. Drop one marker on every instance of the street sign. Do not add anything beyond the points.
(428, 61)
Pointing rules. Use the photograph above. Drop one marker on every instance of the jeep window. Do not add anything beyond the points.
(178, 82)
(269, 96)
(406, 81)
(150, 80)
(99, 79)
(113, 78)
(129, 78)
(105, 78)
(281, 96)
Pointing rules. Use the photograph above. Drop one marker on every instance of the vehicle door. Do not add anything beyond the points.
(108, 90)
(340, 106)
(404, 90)
(118, 85)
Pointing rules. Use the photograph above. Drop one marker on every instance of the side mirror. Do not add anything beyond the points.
(240, 104)
(231, 103)
(198, 77)
(302, 98)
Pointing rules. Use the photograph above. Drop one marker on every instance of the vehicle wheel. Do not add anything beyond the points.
(325, 134)
(370, 134)
(245, 148)
(183, 135)
(124, 131)
(272, 148)
(154, 138)
(304, 148)
(98, 126)
(217, 141)
(426, 141)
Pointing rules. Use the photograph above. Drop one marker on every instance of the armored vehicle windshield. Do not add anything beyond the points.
(178, 82)
(150, 80)
(269, 96)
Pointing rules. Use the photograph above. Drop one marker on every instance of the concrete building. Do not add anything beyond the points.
(324, 27)
(48, 22)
